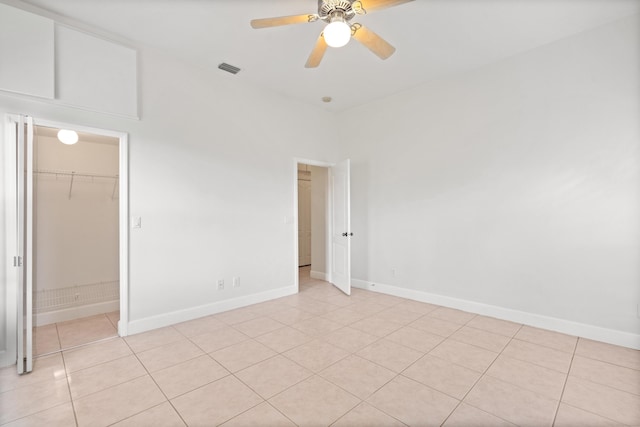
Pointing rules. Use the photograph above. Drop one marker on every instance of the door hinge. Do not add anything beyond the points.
(17, 261)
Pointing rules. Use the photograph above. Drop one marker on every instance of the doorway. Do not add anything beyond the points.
(75, 240)
(322, 223)
(65, 266)
(312, 224)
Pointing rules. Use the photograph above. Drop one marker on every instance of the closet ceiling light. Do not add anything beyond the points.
(68, 137)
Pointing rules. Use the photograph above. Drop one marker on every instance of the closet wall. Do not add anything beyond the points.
(304, 215)
(76, 227)
(319, 182)
(312, 223)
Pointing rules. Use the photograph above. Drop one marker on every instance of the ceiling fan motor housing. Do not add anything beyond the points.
(330, 8)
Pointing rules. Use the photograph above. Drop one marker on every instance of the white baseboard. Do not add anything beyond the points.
(569, 327)
(161, 320)
(319, 275)
(63, 315)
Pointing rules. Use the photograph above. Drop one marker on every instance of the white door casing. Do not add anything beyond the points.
(24, 242)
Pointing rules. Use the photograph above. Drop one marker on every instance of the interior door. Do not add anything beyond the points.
(24, 249)
(339, 179)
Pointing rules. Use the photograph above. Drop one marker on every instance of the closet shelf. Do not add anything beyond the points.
(74, 175)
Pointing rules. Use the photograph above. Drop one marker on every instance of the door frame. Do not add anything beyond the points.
(328, 258)
(11, 223)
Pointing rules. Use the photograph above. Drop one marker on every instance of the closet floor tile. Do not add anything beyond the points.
(85, 330)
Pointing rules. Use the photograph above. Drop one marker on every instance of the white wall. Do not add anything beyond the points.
(210, 175)
(76, 238)
(515, 185)
(318, 221)
(213, 193)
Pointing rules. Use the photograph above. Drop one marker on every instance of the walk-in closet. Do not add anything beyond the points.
(76, 258)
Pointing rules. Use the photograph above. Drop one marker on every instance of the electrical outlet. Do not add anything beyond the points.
(236, 282)
(220, 284)
(393, 272)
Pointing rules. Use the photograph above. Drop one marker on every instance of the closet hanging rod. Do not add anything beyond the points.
(76, 174)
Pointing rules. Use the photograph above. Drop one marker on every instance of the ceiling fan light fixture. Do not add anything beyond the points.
(337, 33)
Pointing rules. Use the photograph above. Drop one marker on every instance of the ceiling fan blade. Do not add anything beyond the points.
(283, 20)
(317, 53)
(372, 41)
(372, 5)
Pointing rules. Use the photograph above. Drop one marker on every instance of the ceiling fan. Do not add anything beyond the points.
(339, 29)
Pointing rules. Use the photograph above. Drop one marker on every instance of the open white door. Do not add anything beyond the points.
(24, 239)
(339, 181)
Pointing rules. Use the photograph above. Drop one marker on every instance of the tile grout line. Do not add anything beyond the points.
(264, 399)
(606, 361)
(77, 346)
(58, 336)
(232, 373)
(138, 413)
(156, 384)
(428, 352)
(313, 374)
(378, 339)
(59, 340)
(534, 363)
(478, 380)
(592, 382)
(564, 386)
(397, 374)
(365, 400)
(66, 374)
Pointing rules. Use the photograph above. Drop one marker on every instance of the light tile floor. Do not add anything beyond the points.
(321, 358)
(65, 335)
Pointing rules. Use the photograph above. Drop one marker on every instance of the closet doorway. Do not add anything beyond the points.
(67, 232)
(312, 221)
(75, 239)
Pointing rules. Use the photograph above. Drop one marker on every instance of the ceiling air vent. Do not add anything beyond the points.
(229, 68)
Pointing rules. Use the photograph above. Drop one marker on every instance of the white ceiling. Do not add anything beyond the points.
(433, 38)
